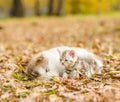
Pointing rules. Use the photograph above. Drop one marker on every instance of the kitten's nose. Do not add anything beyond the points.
(62, 63)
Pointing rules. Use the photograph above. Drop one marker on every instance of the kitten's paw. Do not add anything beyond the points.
(71, 80)
(65, 75)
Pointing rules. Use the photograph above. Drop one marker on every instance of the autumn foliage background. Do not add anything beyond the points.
(42, 7)
(30, 26)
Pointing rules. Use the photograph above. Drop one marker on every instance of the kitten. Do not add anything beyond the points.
(79, 61)
(46, 64)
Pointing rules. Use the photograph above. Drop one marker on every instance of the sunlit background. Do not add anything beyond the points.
(56, 7)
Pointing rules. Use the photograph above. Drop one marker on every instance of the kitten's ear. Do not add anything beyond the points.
(72, 53)
(59, 52)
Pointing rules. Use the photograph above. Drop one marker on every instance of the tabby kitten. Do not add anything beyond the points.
(80, 62)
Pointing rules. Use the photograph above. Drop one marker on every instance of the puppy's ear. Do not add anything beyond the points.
(72, 53)
(40, 59)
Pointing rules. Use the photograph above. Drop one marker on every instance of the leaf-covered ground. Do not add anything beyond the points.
(20, 39)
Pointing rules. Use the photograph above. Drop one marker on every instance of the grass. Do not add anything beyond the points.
(79, 16)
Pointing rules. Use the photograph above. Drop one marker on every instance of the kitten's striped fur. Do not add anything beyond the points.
(79, 64)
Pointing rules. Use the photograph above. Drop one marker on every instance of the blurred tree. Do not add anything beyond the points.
(100, 6)
(37, 7)
(17, 8)
(116, 5)
(50, 7)
(60, 9)
(74, 6)
(89, 6)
